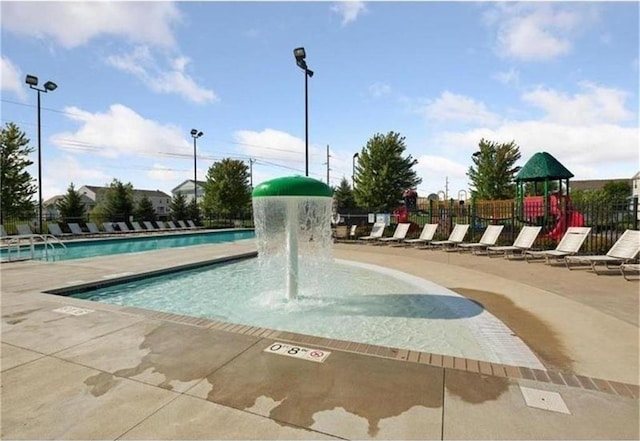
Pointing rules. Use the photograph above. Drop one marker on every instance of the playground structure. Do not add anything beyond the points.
(553, 209)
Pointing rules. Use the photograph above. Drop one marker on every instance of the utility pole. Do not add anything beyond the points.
(446, 187)
(328, 156)
(251, 161)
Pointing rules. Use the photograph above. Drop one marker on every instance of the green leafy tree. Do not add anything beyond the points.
(227, 191)
(118, 201)
(493, 171)
(144, 209)
(16, 184)
(382, 173)
(193, 211)
(70, 205)
(178, 207)
(617, 191)
(343, 196)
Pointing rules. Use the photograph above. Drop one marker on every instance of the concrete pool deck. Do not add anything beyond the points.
(126, 373)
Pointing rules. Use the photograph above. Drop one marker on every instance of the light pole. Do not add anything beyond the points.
(353, 170)
(195, 134)
(300, 55)
(49, 86)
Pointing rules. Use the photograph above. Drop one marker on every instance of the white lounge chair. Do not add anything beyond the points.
(488, 239)
(182, 225)
(352, 232)
(627, 268)
(149, 226)
(376, 232)
(398, 235)
(75, 229)
(24, 230)
(108, 227)
(93, 228)
(456, 237)
(426, 235)
(136, 226)
(624, 250)
(191, 224)
(523, 242)
(124, 228)
(569, 245)
(55, 230)
(172, 226)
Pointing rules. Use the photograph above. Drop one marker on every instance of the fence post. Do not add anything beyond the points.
(635, 213)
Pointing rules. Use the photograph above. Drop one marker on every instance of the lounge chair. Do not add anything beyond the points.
(456, 237)
(182, 225)
(172, 226)
(75, 229)
(352, 232)
(124, 228)
(398, 235)
(108, 227)
(376, 232)
(624, 250)
(488, 239)
(523, 242)
(24, 230)
(3, 232)
(136, 226)
(55, 230)
(93, 228)
(569, 245)
(191, 224)
(161, 225)
(149, 225)
(634, 268)
(426, 236)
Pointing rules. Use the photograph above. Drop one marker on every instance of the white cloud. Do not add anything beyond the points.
(160, 172)
(512, 76)
(61, 171)
(595, 105)
(349, 10)
(271, 144)
(458, 108)
(11, 78)
(378, 90)
(73, 24)
(170, 79)
(538, 31)
(121, 132)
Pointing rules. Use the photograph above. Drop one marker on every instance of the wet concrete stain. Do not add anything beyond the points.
(19, 316)
(374, 389)
(185, 353)
(533, 331)
(102, 383)
(475, 388)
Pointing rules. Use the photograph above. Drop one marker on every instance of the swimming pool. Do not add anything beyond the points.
(82, 248)
(363, 303)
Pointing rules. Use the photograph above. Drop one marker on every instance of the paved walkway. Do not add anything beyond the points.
(126, 373)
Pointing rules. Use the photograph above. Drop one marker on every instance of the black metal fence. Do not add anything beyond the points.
(608, 220)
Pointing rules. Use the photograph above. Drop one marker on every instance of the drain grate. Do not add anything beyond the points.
(73, 310)
(543, 399)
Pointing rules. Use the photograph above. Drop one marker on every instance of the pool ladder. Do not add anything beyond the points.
(25, 247)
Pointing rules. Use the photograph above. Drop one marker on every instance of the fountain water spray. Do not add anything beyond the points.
(292, 217)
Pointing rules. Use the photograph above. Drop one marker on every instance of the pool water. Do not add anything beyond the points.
(344, 300)
(82, 248)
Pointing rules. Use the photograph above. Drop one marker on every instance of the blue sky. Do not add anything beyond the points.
(134, 79)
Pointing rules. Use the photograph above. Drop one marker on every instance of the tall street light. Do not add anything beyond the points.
(300, 55)
(353, 172)
(49, 86)
(195, 134)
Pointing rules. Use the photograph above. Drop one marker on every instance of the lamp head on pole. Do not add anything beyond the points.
(50, 86)
(196, 134)
(31, 80)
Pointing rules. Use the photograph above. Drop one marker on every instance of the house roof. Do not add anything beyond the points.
(543, 167)
(136, 192)
(594, 184)
(190, 181)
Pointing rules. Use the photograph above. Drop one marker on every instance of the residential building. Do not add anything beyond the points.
(186, 188)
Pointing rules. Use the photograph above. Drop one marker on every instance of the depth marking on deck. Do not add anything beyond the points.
(73, 310)
(317, 355)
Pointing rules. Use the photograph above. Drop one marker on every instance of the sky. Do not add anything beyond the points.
(135, 77)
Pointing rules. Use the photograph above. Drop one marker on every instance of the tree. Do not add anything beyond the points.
(382, 173)
(70, 206)
(492, 175)
(193, 211)
(617, 191)
(178, 207)
(118, 201)
(344, 196)
(227, 190)
(16, 184)
(144, 210)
